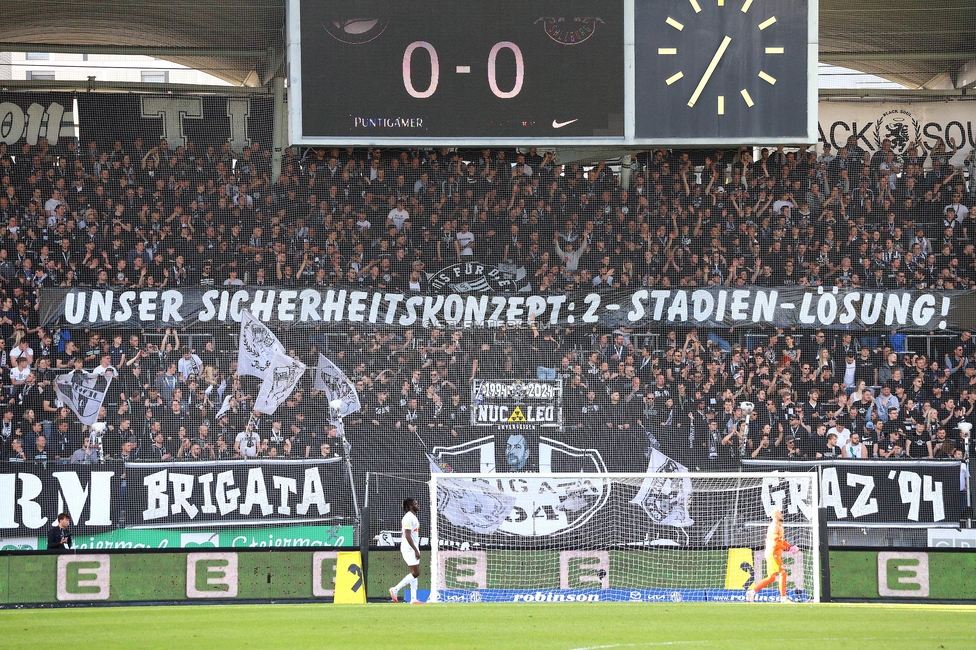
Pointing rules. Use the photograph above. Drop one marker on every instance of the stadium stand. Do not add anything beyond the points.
(103, 216)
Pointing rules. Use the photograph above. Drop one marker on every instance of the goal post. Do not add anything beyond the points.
(618, 537)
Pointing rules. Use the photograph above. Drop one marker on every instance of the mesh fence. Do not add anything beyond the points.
(495, 309)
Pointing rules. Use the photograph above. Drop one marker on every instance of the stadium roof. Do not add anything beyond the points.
(239, 41)
(918, 43)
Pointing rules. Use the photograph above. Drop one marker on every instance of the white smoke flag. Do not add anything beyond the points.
(256, 347)
(473, 506)
(283, 375)
(330, 379)
(224, 407)
(665, 500)
(83, 392)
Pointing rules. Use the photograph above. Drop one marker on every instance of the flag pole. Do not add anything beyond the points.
(336, 406)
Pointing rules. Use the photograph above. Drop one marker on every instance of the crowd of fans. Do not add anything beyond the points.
(131, 215)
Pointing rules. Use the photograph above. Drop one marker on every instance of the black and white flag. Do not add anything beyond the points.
(83, 392)
(330, 379)
(665, 499)
(282, 376)
(256, 348)
(225, 406)
(472, 505)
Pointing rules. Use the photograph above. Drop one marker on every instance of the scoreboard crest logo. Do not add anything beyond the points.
(355, 31)
(570, 31)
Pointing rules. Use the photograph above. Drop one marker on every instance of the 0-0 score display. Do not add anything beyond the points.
(435, 70)
(441, 69)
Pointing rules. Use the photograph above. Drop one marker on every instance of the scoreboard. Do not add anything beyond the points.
(552, 72)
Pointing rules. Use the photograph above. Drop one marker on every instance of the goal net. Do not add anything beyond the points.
(618, 537)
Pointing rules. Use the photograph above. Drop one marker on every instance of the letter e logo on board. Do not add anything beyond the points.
(83, 577)
(211, 575)
(324, 574)
(903, 575)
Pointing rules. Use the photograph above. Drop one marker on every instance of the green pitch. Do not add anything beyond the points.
(429, 627)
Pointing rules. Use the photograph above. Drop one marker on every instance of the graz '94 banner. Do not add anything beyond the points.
(915, 310)
(876, 492)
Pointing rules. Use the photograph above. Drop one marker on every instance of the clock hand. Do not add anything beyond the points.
(711, 68)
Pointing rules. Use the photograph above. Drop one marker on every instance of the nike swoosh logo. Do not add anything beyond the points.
(559, 125)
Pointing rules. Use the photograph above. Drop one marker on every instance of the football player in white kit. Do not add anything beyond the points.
(409, 549)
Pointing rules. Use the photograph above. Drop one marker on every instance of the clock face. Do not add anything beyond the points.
(721, 69)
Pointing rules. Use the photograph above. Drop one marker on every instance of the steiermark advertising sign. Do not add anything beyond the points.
(265, 537)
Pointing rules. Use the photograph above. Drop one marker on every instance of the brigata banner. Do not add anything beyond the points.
(517, 404)
(32, 495)
(895, 493)
(921, 311)
(223, 493)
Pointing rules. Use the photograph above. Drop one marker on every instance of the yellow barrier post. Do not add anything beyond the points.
(350, 583)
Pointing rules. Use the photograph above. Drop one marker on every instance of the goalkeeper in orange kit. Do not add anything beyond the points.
(775, 545)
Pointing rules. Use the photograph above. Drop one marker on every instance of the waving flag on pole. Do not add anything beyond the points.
(330, 379)
(83, 392)
(256, 348)
(282, 376)
(665, 500)
(224, 407)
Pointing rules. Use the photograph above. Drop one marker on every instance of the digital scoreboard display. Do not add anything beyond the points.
(462, 69)
(552, 72)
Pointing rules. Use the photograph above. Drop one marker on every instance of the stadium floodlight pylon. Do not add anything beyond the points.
(633, 537)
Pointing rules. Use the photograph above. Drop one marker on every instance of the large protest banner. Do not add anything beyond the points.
(907, 311)
(902, 124)
(30, 118)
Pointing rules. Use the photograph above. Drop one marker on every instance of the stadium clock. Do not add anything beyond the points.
(722, 68)
(517, 69)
